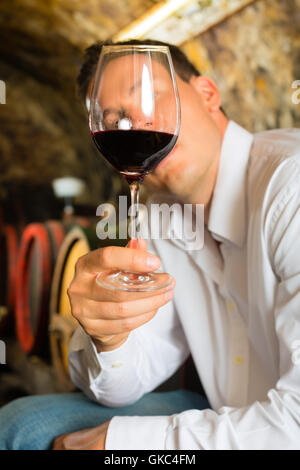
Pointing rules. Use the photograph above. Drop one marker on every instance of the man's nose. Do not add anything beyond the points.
(133, 117)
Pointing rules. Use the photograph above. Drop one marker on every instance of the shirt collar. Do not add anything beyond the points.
(227, 216)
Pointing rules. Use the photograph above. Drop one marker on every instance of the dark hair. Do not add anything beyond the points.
(184, 68)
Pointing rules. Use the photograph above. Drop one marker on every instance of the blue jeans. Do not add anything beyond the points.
(34, 422)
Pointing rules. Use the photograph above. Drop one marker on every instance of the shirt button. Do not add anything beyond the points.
(230, 305)
(238, 360)
(117, 364)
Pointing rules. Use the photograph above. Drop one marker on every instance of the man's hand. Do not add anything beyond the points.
(108, 316)
(86, 439)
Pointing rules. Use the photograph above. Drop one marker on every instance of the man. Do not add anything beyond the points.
(235, 308)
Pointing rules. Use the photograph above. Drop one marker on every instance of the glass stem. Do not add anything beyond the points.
(134, 210)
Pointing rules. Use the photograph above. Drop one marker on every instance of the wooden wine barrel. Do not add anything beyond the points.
(78, 242)
(38, 251)
(57, 231)
(8, 268)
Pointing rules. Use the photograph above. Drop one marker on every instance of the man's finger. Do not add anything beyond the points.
(119, 310)
(116, 327)
(115, 257)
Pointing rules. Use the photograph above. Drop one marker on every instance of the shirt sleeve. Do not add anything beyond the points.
(150, 355)
(264, 425)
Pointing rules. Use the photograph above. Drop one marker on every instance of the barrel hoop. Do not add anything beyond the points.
(34, 233)
(11, 239)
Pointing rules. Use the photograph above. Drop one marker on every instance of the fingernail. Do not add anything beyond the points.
(169, 295)
(153, 262)
(133, 243)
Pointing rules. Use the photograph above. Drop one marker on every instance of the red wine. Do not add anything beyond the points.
(134, 153)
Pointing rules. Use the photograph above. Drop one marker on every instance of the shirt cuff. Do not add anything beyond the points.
(115, 359)
(137, 433)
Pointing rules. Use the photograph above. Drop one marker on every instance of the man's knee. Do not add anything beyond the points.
(14, 418)
(16, 409)
(25, 421)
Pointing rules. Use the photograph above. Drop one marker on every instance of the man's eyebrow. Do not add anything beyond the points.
(108, 111)
(135, 85)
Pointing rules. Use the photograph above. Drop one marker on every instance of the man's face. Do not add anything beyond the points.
(189, 164)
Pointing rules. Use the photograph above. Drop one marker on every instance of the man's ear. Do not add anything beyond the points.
(208, 91)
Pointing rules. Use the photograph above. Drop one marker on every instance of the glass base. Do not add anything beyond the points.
(134, 282)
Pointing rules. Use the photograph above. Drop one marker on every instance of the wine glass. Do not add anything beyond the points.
(134, 119)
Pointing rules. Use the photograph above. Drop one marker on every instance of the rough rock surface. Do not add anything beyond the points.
(253, 56)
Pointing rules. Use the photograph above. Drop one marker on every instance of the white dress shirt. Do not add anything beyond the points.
(236, 309)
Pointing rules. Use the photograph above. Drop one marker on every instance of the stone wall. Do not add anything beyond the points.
(43, 131)
(253, 57)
